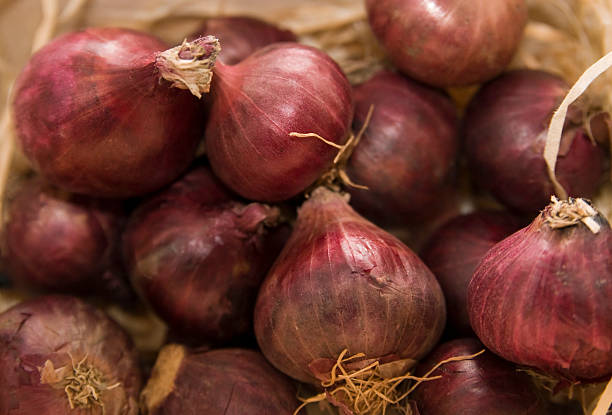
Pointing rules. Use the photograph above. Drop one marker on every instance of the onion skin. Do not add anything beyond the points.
(200, 265)
(93, 102)
(53, 328)
(541, 298)
(505, 132)
(453, 252)
(247, 134)
(485, 384)
(56, 241)
(407, 155)
(217, 382)
(240, 36)
(343, 283)
(450, 42)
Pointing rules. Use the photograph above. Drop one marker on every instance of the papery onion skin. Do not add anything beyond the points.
(449, 43)
(55, 241)
(93, 115)
(343, 283)
(407, 155)
(485, 384)
(216, 382)
(505, 132)
(541, 298)
(240, 36)
(256, 104)
(199, 265)
(54, 328)
(455, 249)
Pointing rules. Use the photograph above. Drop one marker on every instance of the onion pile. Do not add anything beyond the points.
(505, 131)
(240, 36)
(217, 382)
(485, 384)
(281, 89)
(61, 242)
(60, 355)
(451, 42)
(454, 251)
(541, 297)
(100, 111)
(343, 283)
(407, 154)
(199, 262)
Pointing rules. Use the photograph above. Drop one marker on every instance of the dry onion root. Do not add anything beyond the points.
(374, 388)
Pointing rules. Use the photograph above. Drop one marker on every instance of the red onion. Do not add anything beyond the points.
(256, 104)
(343, 283)
(541, 297)
(200, 265)
(407, 153)
(451, 42)
(62, 242)
(98, 111)
(505, 132)
(454, 251)
(240, 36)
(217, 382)
(59, 353)
(485, 384)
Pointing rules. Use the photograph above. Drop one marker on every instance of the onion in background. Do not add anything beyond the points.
(407, 154)
(58, 353)
(216, 382)
(240, 36)
(56, 241)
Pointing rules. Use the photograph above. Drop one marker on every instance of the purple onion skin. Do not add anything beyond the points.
(240, 36)
(217, 382)
(485, 384)
(450, 42)
(505, 133)
(60, 242)
(200, 265)
(407, 154)
(453, 252)
(53, 328)
(541, 298)
(342, 282)
(247, 134)
(93, 117)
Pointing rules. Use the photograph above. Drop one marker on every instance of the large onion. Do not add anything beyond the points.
(343, 283)
(541, 297)
(255, 105)
(96, 111)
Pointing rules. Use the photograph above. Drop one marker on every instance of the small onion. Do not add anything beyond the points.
(407, 154)
(484, 385)
(280, 89)
(450, 42)
(541, 297)
(343, 283)
(505, 132)
(97, 111)
(240, 36)
(217, 382)
(200, 263)
(60, 356)
(62, 242)
(454, 251)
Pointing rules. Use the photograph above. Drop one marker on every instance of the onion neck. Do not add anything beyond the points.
(189, 66)
(566, 213)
